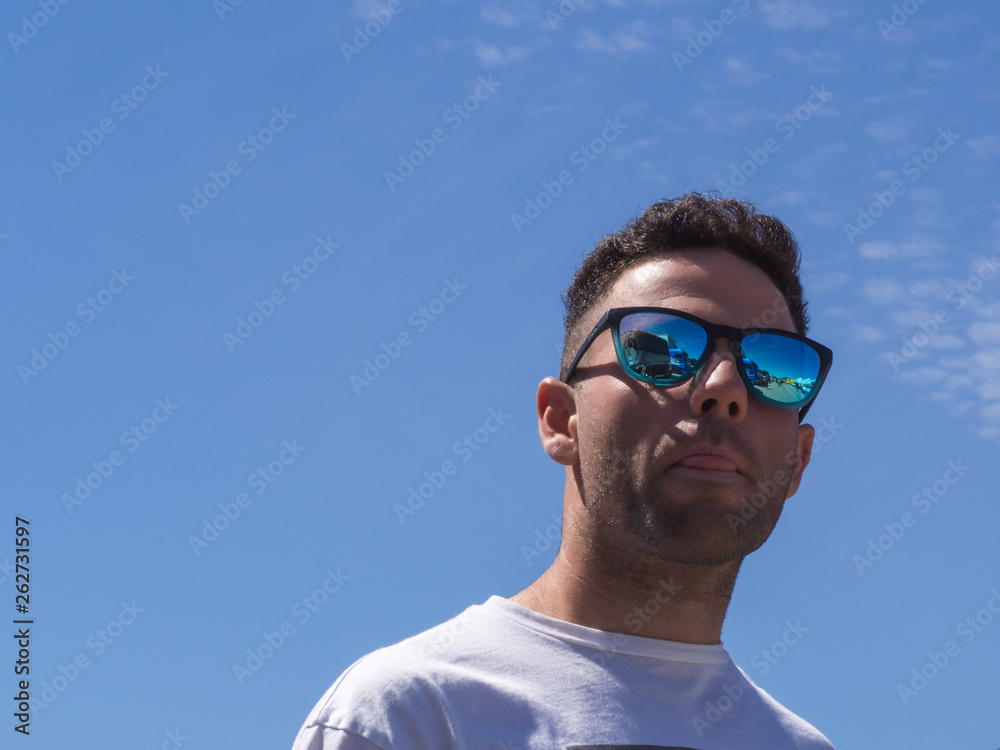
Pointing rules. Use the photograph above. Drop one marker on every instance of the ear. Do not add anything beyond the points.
(556, 405)
(803, 452)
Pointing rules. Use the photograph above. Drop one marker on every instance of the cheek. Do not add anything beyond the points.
(619, 436)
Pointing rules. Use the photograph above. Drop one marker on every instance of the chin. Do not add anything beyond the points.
(710, 531)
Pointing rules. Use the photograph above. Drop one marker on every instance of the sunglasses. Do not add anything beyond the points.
(667, 347)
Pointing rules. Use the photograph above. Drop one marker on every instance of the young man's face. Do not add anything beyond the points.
(697, 472)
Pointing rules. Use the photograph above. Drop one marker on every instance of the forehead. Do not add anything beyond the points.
(711, 283)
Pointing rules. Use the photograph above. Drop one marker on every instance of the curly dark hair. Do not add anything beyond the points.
(694, 220)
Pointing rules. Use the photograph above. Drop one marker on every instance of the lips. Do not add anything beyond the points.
(708, 461)
(711, 458)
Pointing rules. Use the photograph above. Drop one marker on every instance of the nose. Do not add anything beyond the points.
(718, 385)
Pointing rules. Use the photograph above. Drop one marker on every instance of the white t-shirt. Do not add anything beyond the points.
(500, 676)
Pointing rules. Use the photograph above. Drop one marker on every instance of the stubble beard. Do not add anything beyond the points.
(638, 522)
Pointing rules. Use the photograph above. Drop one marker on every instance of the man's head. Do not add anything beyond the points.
(690, 222)
(697, 472)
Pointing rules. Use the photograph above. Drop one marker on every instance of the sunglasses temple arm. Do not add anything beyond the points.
(583, 347)
(802, 412)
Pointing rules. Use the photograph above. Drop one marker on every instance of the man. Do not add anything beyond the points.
(681, 434)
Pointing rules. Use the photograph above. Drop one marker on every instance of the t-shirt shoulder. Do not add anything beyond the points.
(409, 694)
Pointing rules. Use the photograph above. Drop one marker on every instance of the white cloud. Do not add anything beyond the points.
(987, 359)
(741, 73)
(886, 130)
(922, 375)
(985, 333)
(922, 247)
(869, 333)
(959, 382)
(947, 341)
(990, 390)
(509, 13)
(822, 281)
(984, 147)
(624, 151)
(926, 194)
(591, 41)
(824, 219)
(630, 37)
(794, 14)
(491, 55)
(836, 311)
(883, 291)
(365, 8)
(816, 61)
(942, 66)
(498, 15)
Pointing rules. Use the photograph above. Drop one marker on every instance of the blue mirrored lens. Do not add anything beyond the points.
(660, 346)
(782, 369)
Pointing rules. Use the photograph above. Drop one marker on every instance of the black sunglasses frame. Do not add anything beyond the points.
(613, 319)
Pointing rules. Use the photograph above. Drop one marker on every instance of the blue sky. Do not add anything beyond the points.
(267, 272)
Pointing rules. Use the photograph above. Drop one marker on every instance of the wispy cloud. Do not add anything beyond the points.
(822, 281)
(887, 130)
(491, 56)
(509, 14)
(365, 8)
(630, 37)
(792, 197)
(794, 14)
(885, 291)
(950, 329)
(984, 147)
(499, 16)
(741, 73)
(817, 62)
(893, 250)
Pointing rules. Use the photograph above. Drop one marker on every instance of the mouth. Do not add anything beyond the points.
(715, 460)
(708, 462)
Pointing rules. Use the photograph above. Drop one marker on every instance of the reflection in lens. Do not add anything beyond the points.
(661, 346)
(781, 368)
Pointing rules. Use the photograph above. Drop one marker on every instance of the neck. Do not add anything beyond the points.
(655, 598)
